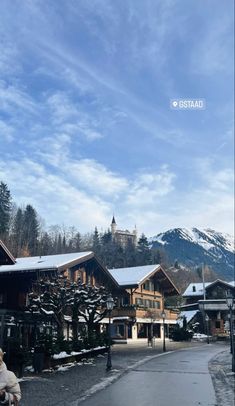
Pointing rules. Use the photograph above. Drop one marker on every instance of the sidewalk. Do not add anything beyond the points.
(70, 383)
(223, 378)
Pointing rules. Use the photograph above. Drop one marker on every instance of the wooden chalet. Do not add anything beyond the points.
(138, 291)
(18, 275)
(208, 299)
(140, 306)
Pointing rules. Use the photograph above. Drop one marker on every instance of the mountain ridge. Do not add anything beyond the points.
(193, 247)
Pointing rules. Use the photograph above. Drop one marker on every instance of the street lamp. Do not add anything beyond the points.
(207, 328)
(229, 300)
(109, 305)
(230, 338)
(164, 339)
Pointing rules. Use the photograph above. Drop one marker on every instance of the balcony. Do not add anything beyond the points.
(137, 312)
(213, 304)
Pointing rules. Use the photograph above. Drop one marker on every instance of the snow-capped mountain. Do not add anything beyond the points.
(194, 247)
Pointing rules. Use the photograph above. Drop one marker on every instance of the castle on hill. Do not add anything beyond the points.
(123, 237)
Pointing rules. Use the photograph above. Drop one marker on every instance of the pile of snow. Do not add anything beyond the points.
(199, 336)
(64, 354)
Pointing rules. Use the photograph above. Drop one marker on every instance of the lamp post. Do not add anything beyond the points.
(164, 339)
(229, 300)
(230, 338)
(207, 328)
(109, 305)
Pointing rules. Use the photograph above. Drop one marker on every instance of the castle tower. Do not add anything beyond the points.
(113, 226)
(135, 233)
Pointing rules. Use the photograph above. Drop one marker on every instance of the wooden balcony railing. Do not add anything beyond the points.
(138, 312)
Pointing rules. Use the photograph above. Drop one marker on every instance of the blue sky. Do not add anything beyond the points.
(86, 128)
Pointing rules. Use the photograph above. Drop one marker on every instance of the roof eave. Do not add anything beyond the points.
(77, 261)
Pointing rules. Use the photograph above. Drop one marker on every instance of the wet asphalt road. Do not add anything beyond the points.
(178, 378)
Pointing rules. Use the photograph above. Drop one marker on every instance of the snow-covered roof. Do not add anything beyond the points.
(196, 289)
(188, 315)
(232, 283)
(46, 262)
(133, 275)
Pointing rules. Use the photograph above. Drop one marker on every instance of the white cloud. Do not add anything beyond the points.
(148, 188)
(6, 131)
(217, 179)
(68, 117)
(82, 193)
(96, 178)
(214, 52)
(12, 97)
(55, 199)
(85, 194)
(9, 58)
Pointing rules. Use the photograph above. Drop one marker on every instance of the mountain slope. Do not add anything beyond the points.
(194, 247)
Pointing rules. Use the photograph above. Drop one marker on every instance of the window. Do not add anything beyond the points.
(217, 324)
(147, 303)
(156, 305)
(146, 285)
(151, 285)
(139, 302)
(157, 287)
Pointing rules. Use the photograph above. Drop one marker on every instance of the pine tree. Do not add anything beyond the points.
(59, 244)
(5, 208)
(144, 253)
(158, 256)
(17, 232)
(96, 242)
(77, 242)
(30, 230)
(46, 246)
(130, 254)
(107, 251)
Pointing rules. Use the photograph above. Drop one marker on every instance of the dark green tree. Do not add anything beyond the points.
(77, 242)
(5, 209)
(143, 251)
(45, 245)
(17, 232)
(96, 242)
(158, 256)
(130, 254)
(30, 230)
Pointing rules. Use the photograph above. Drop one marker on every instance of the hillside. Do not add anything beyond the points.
(193, 247)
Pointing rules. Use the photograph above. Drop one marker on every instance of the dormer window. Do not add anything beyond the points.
(194, 288)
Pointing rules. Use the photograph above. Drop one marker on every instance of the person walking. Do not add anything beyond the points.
(10, 393)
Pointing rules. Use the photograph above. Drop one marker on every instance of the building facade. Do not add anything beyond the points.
(207, 304)
(139, 311)
(139, 294)
(18, 276)
(123, 237)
